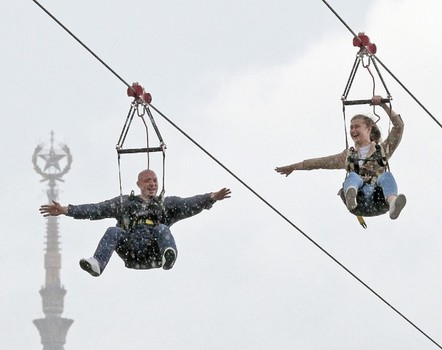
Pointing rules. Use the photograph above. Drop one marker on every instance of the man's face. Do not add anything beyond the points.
(148, 183)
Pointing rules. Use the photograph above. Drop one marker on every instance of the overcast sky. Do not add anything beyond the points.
(258, 85)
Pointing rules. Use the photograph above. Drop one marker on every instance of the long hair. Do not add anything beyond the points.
(375, 134)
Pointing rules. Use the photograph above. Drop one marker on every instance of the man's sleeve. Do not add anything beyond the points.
(95, 211)
(177, 208)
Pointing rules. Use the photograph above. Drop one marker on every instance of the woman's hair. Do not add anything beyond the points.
(375, 134)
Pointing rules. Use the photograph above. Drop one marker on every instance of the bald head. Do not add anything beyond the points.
(146, 172)
(147, 183)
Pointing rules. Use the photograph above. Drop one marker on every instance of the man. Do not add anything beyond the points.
(142, 237)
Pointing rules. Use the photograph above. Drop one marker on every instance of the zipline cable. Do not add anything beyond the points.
(385, 67)
(408, 91)
(248, 187)
(298, 229)
(81, 43)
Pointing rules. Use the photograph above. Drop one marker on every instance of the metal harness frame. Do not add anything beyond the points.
(140, 105)
(365, 57)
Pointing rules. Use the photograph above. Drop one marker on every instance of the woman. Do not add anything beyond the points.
(369, 188)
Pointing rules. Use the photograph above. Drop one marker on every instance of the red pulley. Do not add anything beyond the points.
(372, 48)
(147, 97)
(136, 90)
(362, 40)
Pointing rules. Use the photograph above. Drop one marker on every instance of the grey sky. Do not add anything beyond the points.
(258, 84)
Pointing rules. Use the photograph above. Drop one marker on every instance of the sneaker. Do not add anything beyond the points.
(396, 206)
(350, 198)
(91, 265)
(169, 257)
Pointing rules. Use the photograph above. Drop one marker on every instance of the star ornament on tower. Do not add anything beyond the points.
(52, 170)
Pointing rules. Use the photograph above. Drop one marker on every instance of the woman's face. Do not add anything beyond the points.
(360, 132)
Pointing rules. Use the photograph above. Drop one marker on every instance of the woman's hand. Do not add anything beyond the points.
(285, 170)
(376, 100)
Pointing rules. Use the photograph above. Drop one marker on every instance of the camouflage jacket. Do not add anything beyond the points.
(369, 166)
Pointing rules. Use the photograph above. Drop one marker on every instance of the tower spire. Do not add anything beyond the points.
(52, 328)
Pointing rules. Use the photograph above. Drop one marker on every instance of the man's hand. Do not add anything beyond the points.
(221, 194)
(54, 209)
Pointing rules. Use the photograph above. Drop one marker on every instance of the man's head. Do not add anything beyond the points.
(147, 183)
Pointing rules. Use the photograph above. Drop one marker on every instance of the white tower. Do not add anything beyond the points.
(52, 328)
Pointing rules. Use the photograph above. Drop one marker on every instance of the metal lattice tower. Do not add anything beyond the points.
(53, 327)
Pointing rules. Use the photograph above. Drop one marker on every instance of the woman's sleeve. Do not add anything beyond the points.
(336, 161)
(395, 136)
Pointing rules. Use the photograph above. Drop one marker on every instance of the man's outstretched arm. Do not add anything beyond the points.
(53, 209)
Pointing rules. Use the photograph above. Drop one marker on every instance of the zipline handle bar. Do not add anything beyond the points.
(140, 150)
(363, 102)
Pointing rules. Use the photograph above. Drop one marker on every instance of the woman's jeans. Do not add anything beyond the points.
(369, 199)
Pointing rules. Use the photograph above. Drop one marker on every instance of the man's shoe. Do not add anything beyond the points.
(91, 265)
(396, 206)
(350, 198)
(169, 257)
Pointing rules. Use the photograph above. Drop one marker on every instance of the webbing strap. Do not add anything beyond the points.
(362, 221)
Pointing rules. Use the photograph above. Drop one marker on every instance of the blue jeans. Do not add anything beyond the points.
(370, 202)
(142, 247)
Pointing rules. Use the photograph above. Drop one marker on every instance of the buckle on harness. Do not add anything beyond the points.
(144, 222)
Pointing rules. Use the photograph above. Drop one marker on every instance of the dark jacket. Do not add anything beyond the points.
(129, 210)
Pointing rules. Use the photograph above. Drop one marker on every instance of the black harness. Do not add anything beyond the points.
(145, 215)
(139, 212)
(379, 203)
(378, 157)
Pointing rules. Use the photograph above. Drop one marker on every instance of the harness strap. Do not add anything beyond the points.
(149, 222)
(361, 221)
(378, 156)
(353, 162)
